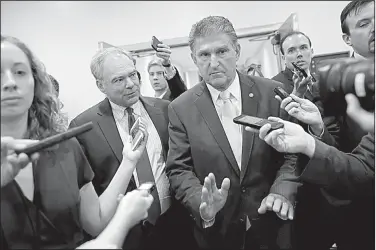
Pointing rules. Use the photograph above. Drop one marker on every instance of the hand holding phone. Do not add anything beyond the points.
(281, 92)
(154, 43)
(302, 71)
(256, 123)
(148, 186)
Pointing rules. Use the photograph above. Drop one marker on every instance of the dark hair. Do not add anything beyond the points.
(44, 118)
(352, 7)
(139, 75)
(291, 34)
(55, 84)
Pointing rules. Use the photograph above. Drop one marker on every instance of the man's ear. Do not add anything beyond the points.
(347, 39)
(237, 49)
(101, 86)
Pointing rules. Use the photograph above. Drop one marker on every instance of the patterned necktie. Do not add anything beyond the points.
(145, 174)
(232, 130)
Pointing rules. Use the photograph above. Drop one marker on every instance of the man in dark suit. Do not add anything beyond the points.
(207, 147)
(164, 77)
(116, 76)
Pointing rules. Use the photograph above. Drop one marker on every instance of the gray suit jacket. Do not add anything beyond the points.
(199, 146)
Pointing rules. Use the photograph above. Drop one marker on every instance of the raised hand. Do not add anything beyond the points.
(300, 84)
(164, 52)
(278, 204)
(212, 198)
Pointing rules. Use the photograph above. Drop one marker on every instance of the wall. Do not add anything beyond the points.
(65, 35)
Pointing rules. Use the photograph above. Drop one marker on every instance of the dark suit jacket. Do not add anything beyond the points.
(103, 148)
(199, 146)
(357, 170)
(176, 87)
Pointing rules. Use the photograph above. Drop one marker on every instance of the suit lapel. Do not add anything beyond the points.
(250, 100)
(109, 129)
(206, 107)
(159, 121)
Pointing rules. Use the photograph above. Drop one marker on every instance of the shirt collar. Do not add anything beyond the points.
(120, 110)
(234, 89)
(161, 96)
(357, 56)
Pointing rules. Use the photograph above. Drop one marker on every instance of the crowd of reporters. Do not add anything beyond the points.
(308, 185)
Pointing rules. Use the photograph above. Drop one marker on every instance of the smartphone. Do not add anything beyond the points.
(299, 69)
(154, 43)
(149, 186)
(281, 92)
(55, 139)
(256, 123)
(137, 135)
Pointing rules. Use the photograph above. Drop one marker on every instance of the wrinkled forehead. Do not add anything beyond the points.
(212, 42)
(114, 63)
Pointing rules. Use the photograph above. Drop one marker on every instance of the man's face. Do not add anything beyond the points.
(296, 49)
(157, 78)
(215, 57)
(362, 31)
(120, 82)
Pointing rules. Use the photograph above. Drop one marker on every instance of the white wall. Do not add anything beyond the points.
(65, 35)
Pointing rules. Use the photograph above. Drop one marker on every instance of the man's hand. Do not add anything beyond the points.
(305, 111)
(212, 198)
(135, 155)
(300, 84)
(164, 52)
(97, 244)
(279, 204)
(11, 163)
(289, 139)
(365, 119)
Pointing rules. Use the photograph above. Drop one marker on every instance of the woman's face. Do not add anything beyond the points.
(17, 82)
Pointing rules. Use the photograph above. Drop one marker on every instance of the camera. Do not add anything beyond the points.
(340, 77)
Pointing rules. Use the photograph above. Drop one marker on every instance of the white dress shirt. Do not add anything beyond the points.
(153, 148)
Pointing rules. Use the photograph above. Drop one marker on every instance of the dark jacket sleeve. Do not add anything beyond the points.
(348, 174)
(176, 86)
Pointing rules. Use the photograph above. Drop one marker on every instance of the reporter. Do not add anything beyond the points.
(350, 174)
(50, 202)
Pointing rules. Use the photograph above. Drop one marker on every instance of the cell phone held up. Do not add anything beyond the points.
(256, 123)
(137, 135)
(281, 92)
(154, 43)
(300, 69)
(55, 139)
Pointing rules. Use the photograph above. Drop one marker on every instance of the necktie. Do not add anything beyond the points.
(232, 130)
(145, 174)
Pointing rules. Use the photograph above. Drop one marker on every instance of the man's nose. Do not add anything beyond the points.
(214, 61)
(129, 83)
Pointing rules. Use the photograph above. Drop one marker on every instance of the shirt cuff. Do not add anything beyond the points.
(315, 136)
(170, 72)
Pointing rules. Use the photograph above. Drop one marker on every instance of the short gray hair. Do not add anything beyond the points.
(97, 61)
(155, 62)
(212, 25)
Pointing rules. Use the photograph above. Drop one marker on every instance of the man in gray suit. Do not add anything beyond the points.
(206, 148)
(116, 76)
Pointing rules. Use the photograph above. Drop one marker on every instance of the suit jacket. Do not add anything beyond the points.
(103, 148)
(199, 146)
(357, 169)
(176, 87)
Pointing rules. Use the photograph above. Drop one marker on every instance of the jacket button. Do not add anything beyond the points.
(241, 220)
(243, 190)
